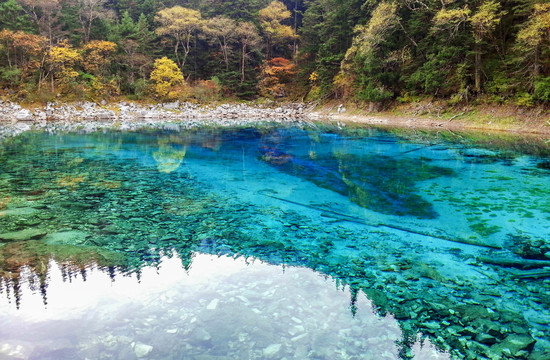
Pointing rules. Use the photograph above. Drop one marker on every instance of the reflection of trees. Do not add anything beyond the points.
(380, 183)
(29, 261)
(170, 153)
(419, 306)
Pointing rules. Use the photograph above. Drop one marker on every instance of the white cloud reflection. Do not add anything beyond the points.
(221, 306)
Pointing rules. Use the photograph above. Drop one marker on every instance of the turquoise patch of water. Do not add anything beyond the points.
(410, 234)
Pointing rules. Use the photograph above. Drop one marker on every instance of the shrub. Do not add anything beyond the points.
(167, 79)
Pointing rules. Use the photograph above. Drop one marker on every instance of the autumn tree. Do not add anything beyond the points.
(271, 18)
(23, 53)
(534, 37)
(97, 56)
(180, 23)
(249, 39)
(222, 30)
(62, 60)
(166, 76)
(22, 49)
(277, 73)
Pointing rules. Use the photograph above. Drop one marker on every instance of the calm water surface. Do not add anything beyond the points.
(274, 243)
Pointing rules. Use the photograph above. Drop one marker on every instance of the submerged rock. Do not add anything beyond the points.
(66, 238)
(142, 350)
(272, 350)
(479, 153)
(22, 235)
(514, 344)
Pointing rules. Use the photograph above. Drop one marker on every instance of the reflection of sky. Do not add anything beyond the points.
(221, 306)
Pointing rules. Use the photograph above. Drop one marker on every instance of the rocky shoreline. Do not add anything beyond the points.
(89, 116)
(128, 116)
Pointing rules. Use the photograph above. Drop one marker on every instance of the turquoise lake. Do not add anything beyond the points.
(313, 242)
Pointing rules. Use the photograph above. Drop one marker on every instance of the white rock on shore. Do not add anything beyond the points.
(88, 116)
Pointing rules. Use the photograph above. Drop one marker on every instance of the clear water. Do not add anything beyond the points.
(274, 243)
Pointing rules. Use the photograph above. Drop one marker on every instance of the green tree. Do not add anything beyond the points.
(484, 22)
(332, 21)
(239, 10)
(366, 69)
(13, 17)
(88, 12)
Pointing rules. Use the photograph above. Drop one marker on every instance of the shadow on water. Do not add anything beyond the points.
(119, 203)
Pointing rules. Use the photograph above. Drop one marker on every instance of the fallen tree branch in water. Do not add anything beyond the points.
(533, 274)
(516, 263)
(344, 217)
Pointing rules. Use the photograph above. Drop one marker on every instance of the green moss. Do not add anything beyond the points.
(483, 229)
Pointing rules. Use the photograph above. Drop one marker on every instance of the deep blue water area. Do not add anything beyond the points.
(274, 243)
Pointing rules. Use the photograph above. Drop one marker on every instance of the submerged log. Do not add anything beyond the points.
(516, 263)
(416, 232)
(533, 274)
(344, 217)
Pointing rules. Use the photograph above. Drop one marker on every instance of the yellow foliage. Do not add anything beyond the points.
(177, 21)
(96, 55)
(451, 19)
(313, 76)
(62, 59)
(64, 55)
(343, 83)
(485, 19)
(270, 20)
(537, 28)
(23, 49)
(165, 76)
(368, 37)
(4, 201)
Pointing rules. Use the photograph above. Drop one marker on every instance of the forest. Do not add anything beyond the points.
(459, 51)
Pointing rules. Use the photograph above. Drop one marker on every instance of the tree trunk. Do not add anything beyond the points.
(477, 68)
(186, 49)
(243, 62)
(225, 55)
(176, 48)
(536, 65)
(295, 45)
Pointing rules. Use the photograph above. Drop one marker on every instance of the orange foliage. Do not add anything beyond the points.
(276, 75)
(22, 50)
(207, 90)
